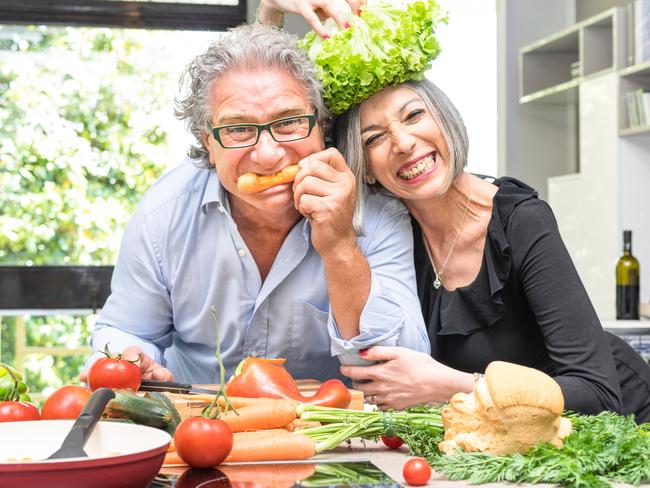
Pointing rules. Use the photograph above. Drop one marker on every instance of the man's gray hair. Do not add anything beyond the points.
(249, 47)
(444, 113)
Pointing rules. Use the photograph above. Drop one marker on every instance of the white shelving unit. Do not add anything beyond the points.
(552, 68)
(611, 189)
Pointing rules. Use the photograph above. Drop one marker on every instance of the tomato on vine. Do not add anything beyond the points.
(115, 372)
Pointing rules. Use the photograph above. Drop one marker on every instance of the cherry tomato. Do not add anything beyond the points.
(115, 373)
(65, 403)
(202, 442)
(391, 442)
(417, 471)
(15, 411)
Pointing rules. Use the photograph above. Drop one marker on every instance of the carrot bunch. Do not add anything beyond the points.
(263, 430)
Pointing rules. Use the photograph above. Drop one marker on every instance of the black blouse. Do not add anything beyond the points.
(528, 306)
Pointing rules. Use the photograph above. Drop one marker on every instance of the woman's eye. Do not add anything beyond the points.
(414, 114)
(373, 140)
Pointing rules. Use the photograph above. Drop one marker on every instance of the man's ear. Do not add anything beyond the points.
(206, 140)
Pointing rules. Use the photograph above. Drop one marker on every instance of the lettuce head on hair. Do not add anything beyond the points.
(389, 43)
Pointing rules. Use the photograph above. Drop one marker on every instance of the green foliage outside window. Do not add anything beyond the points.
(79, 145)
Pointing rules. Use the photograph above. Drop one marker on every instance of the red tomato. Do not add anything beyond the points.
(392, 442)
(203, 442)
(115, 373)
(15, 411)
(65, 403)
(417, 471)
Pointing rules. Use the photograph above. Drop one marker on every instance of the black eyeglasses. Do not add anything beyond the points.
(286, 129)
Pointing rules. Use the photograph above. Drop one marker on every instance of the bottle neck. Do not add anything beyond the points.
(627, 248)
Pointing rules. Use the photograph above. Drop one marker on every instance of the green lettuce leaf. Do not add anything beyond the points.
(389, 43)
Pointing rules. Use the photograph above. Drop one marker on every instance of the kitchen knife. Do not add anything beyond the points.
(174, 387)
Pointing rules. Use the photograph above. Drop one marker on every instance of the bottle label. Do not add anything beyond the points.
(627, 302)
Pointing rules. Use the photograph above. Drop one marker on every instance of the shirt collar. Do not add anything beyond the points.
(214, 194)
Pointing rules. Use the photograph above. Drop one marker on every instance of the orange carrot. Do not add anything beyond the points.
(271, 447)
(269, 474)
(172, 457)
(298, 424)
(269, 415)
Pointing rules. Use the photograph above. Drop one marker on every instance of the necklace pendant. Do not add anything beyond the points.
(437, 282)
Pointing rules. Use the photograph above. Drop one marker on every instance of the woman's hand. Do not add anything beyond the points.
(313, 11)
(406, 378)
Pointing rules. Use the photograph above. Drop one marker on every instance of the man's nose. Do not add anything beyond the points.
(267, 151)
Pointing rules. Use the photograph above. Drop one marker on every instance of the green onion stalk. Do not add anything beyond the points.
(414, 425)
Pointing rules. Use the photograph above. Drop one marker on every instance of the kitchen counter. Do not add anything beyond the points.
(390, 461)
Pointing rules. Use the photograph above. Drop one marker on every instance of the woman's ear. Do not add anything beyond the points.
(369, 179)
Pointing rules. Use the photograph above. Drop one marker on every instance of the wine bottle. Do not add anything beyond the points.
(627, 282)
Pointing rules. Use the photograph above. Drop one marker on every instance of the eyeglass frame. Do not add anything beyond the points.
(312, 118)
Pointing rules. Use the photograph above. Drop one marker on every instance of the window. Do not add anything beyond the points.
(466, 71)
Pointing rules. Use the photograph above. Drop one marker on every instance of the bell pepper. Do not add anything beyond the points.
(12, 386)
(268, 378)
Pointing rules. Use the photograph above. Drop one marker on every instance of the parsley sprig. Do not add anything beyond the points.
(601, 448)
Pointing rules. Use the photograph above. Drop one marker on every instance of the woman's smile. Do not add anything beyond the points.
(416, 171)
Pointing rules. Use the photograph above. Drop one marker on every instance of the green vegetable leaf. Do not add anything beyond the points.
(387, 44)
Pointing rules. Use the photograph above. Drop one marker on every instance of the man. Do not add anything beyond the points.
(283, 267)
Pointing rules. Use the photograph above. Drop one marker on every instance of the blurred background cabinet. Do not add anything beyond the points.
(568, 133)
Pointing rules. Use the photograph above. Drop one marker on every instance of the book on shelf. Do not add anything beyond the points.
(641, 31)
(638, 107)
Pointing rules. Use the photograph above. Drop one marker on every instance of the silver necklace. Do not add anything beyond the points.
(437, 282)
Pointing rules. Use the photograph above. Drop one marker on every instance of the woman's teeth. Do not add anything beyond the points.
(414, 171)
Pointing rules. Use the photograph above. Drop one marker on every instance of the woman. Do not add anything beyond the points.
(495, 280)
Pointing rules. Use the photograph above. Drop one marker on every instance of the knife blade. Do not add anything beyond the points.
(174, 387)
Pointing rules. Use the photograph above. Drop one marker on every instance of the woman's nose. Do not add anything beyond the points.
(403, 140)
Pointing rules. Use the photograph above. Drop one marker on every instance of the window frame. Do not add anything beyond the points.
(125, 14)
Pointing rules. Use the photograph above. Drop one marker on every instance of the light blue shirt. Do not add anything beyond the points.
(182, 253)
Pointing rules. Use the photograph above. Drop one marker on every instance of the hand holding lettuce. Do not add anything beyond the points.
(389, 43)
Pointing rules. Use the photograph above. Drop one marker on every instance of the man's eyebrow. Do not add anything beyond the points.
(247, 118)
(399, 111)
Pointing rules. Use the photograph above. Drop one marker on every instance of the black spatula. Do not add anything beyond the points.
(73, 444)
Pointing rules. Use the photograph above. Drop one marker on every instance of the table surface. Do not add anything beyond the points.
(391, 462)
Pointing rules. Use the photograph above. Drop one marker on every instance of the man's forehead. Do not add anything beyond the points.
(258, 94)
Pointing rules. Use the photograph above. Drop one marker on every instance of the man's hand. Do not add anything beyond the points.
(151, 370)
(324, 192)
(313, 11)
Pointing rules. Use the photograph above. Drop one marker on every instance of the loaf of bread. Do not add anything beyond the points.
(511, 409)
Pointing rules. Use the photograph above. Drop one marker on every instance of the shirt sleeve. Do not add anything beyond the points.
(392, 315)
(138, 311)
(573, 334)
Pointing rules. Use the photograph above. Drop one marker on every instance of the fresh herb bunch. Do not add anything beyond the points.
(600, 448)
(346, 474)
(389, 43)
(423, 424)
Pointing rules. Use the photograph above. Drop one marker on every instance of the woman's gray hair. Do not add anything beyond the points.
(445, 114)
(251, 47)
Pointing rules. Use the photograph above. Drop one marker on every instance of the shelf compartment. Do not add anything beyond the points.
(547, 64)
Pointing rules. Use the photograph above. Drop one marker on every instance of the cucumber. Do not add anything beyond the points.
(153, 410)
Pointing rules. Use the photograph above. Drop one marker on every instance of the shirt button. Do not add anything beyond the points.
(241, 252)
(220, 208)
